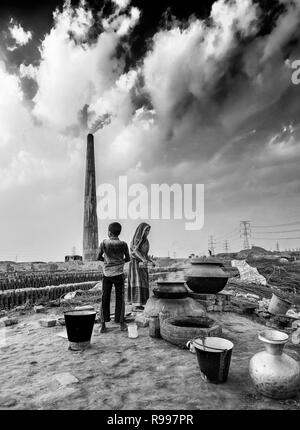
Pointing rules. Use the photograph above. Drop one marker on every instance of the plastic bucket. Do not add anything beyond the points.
(214, 355)
(132, 330)
(79, 325)
(278, 306)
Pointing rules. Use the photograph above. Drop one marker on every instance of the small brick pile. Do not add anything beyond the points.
(221, 302)
(283, 322)
(278, 322)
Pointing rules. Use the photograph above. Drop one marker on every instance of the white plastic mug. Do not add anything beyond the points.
(132, 330)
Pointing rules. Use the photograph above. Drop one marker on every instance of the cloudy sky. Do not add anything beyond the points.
(195, 94)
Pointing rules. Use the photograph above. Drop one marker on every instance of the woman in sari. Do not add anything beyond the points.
(138, 277)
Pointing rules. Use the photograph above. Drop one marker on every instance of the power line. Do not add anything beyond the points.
(276, 225)
(275, 238)
(274, 232)
(226, 245)
(245, 232)
(230, 234)
(211, 244)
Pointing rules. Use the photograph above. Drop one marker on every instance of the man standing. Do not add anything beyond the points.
(114, 253)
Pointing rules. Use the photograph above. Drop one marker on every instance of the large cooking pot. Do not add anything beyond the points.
(170, 290)
(206, 276)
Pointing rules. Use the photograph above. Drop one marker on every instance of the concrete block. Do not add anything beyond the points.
(6, 322)
(271, 324)
(141, 320)
(296, 324)
(12, 321)
(245, 304)
(226, 295)
(54, 303)
(62, 334)
(84, 308)
(296, 337)
(206, 303)
(48, 322)
(3, 322)
(66, 379)
(61, 321)
(39, 309)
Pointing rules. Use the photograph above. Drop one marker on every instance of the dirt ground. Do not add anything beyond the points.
(121, 373)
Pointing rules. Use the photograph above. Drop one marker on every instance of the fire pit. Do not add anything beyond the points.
(171, 295)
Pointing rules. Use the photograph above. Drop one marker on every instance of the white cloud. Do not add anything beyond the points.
(129, 22)
(71, 74)
(116, 101)
(12, 48)
(189, 62)
(190, 122)
(11, 109)
(28, 71)
(20, 36)
(287, 26)
(122, 4)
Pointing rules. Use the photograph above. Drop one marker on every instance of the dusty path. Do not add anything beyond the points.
(122, 373)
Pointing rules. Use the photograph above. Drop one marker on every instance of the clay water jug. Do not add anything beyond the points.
(274, 373)
(206, 276)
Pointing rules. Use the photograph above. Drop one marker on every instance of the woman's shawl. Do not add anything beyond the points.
(138, 239)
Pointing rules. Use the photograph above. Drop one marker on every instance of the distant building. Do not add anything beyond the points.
(73, 258)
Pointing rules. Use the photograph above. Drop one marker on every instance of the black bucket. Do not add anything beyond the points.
(79, 325)
(214, 355)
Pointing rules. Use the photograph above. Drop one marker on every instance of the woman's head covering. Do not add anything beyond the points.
(139, 235)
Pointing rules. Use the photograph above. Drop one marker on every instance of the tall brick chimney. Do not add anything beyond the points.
(90, 222)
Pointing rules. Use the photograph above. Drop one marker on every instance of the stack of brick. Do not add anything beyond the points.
(16, 281)
(13, 298)
(220, 302)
